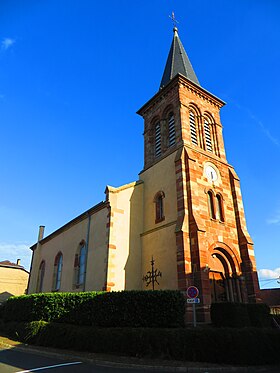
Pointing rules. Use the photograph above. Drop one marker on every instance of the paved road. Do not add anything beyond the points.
(14, 361)
(19, 361)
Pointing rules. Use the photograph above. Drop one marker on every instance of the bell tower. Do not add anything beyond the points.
(194, 222)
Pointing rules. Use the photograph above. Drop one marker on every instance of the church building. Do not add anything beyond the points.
(184, 214)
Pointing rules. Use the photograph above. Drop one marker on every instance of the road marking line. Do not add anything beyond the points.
(49, 367)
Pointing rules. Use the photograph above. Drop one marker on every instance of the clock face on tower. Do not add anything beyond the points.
(211, 173)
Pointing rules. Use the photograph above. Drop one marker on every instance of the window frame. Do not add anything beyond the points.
(159, 207)
(193, 127)
(208, 135)
(81, 273)
(41, 275)
(220, 208)
(211, 204)
(58, 265)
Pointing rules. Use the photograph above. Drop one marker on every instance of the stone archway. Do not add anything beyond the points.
(224, 276)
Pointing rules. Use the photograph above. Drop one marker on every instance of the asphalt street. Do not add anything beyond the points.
(15, 360)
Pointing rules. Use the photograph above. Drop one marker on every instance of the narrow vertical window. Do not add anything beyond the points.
(41, 275)
(220, 213)
(157, 140)
(211, 204)
(82, 265)
(159, 207)
(207, 134)
(193, 128)
(57, 271)
(171, 130)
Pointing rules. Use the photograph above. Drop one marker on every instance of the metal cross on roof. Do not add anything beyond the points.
(174, 20)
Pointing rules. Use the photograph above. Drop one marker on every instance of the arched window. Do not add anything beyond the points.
(157, 140)
(82, 265)
(159, 207)
(193, 131)
(220, 212)
(171, 130)
(207, 134)
(41, 275)
(211, 204)
(57, 271)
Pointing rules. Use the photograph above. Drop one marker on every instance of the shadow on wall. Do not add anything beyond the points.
(133, 266)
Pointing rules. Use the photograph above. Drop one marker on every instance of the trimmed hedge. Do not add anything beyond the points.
(164, 308)
(240, 315)
(249, 346)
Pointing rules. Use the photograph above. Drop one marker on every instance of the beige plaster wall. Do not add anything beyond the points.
(97, 251)
(67, 242)
(124, 263)
(158, 239)
(161, 245)
(13, 281)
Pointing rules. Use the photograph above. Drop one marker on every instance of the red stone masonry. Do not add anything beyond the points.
(198, 237)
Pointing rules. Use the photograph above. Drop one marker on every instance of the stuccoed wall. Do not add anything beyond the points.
(13, 281)
(67, 240)
(158, 239)
(126, 225)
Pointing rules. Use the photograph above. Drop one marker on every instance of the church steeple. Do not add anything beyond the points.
(177, 62)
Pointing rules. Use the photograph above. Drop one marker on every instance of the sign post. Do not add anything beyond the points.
(192, 293)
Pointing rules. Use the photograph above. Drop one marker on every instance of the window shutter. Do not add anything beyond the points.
(193, 128)
(157, 140)
(207, 133)
(171, 130)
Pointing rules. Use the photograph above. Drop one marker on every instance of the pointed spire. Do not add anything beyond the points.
(177, 62)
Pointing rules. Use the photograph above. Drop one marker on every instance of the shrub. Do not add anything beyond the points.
(139, 309)
(230, 314)
(247, 346)
(125, 309)
(45, 306)
(259, 314)
(240, 315)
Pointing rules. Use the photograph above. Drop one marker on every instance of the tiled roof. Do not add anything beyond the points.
(271, 296)
(8, 263)
(177, 62)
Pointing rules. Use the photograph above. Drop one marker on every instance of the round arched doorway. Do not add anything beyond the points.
(224, 276)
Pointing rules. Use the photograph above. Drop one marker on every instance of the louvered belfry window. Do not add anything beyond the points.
(171, 130)
(157, 140)
(193, 128)
(207, 133)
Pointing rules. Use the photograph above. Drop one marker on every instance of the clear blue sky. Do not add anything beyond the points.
(72, 76)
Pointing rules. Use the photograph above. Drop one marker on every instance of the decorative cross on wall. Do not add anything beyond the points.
(151, 276)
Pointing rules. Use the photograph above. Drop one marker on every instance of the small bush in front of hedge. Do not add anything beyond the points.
(240, 315)
(245, 346)
(164, 308)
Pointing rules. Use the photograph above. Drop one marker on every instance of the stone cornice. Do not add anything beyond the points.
(183, 81)
(200, 92)
(157, 228)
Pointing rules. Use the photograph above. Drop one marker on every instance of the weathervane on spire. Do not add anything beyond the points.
(174, 20)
